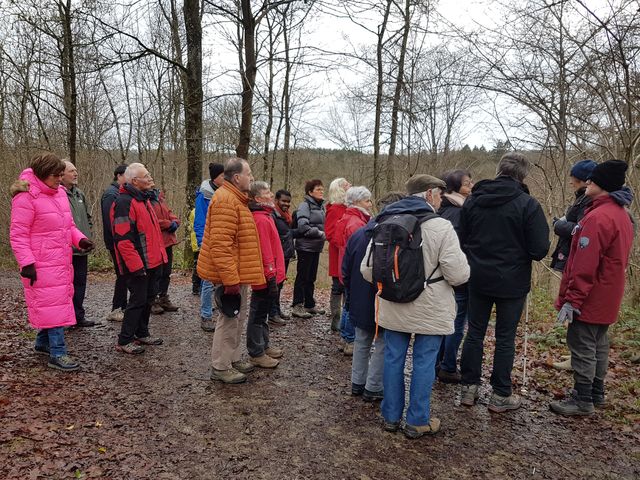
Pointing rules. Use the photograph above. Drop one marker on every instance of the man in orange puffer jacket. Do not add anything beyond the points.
(230, 256)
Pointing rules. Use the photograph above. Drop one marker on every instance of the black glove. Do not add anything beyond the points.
(86, 245)
(29, 271)
(173, 227)
(272, 287)
(139, 273)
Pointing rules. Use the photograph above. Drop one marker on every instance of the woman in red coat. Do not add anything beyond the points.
(335, 209)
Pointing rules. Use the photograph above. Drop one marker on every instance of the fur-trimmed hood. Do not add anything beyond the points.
(19, 186)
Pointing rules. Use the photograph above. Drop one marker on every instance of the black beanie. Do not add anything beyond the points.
(215, 169)
(609, 175)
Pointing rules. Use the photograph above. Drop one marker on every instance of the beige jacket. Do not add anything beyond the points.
(433, 312)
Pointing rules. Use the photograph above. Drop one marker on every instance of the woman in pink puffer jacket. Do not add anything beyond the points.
(42, 233)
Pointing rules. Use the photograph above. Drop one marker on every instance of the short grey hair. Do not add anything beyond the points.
(233, 166)
(132, 170)
(514, 165)
(257, 188)
(356, 194)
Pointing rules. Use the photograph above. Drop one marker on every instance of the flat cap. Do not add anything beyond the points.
(422, 183)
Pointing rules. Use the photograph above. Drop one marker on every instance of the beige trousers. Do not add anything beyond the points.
(226, 338)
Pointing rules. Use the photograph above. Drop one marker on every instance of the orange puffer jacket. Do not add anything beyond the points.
(230, 252)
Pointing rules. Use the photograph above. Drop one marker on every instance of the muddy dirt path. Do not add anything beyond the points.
(158, 416)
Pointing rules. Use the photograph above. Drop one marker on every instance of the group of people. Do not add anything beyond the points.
(472, 246)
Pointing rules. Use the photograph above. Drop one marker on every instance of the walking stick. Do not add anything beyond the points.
(523, 390)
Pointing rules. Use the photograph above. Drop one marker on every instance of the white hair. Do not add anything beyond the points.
(336, 190)
(356, 194)
(132, 170)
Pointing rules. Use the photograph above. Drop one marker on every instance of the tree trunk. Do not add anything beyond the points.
(379, 91)
(286, 108)
(248, 79)
(68, 74)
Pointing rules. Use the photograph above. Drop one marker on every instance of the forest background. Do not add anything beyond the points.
(370, 90)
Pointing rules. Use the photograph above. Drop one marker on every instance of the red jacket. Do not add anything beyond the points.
(136, 233)
(334, 214)
(165, 217)
(270, 246)
(352, 220)
(594, 277)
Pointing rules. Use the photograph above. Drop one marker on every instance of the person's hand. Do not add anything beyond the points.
(567, 313)
(173, 227)
(232, 289)
(86, 245)
(272, 287)
(139, 273)
(29, 271)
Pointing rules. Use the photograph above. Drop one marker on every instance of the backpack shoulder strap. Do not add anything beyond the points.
(421, 219)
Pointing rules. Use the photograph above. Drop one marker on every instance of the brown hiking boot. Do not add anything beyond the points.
(165, 302)
(243, 366)
(300, 312)
(116, 315)
(228, 376)
(348, 349)
(156, 308)
(149, 341)
(499, 404)
(264, 361)
(315, 311)
(131, 348)
(277, 320)
(469, 395)
(207, 324)
(411, 431)
(273, 352)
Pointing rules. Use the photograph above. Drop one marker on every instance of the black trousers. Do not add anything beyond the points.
(136, 316)
(80, 269)
(195, 279)
(120, 290)
(257, 327)
(589, 347)
(275, 305)
(164, 273)
(508, 313)
(336, 287)
(306, 278)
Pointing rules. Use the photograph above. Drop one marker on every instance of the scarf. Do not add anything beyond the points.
(455, 198)
(286, 215)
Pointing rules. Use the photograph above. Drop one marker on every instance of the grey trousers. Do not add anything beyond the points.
(589, 346)
(367, 364)
(226, 338)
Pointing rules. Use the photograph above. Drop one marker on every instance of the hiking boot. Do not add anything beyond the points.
(131, 348)
(391, 426)
(277, 320)
(149, 341)
(195, 291)
(243, 366)
(598, 400)
(572, 406)
(64, 363)
(165, 302)
(274, 352)
(315, 311)
(228, 376)
(116, 315)
(498, 404)
(411, 431)
(207, 324)
(357, 390)
(264, 361)
(448, 377)
(85, 323)
(42, 350)
(564, 365)
(348, 349)
(369, 396)
(300, 312)
(469, 395)
(284, 316)
(156, 308)
(335, 307)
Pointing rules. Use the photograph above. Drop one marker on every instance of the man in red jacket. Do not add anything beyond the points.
(593, 285)
(263, 296)
(140, 253)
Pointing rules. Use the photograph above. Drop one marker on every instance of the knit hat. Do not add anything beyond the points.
(582, 169)
(215, 169)
(609, 175)
(422, 183)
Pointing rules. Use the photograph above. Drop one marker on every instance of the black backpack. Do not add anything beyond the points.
(396, 257)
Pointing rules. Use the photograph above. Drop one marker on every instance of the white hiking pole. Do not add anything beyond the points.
(523, 390)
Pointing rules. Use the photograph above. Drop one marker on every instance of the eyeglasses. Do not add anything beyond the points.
(58, 175)
(144, 177)
(467, 183)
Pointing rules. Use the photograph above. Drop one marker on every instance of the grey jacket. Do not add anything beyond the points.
(310, 218)
(80, 212)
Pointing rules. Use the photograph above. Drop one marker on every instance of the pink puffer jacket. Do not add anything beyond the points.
(42, 232)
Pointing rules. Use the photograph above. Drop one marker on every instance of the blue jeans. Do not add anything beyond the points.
(452, 342)
(53, 339)
(347, 331)
(425, 352)
(206, 299)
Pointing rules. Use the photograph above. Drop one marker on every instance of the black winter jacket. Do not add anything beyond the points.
(502, 229)
(286, 234)
(451, 212)
(563, 228)
(310, 236)
(108, 197)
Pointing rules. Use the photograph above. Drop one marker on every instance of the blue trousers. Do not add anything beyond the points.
(425, 352)
(347, 330)
(53, 339)
(452, 342)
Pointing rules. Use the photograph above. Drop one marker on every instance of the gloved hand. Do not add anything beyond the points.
(86, 245)
(139, 273)
(173, 227)
(29, 271)
(232, 289)
(567, 313)
(272, 287)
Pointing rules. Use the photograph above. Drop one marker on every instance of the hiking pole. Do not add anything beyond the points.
(523, 389)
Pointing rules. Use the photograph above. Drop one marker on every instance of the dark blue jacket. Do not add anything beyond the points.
(360, 293)
(108, 197)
